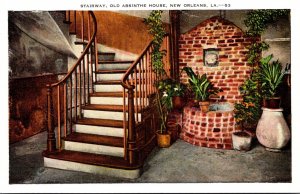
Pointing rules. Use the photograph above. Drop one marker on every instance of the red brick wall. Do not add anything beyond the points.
(212, 129)
(233, 68)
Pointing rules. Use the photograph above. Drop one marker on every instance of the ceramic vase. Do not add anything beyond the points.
(272, 130)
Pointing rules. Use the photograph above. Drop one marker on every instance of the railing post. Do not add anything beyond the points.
(51, 141)
(131, 129)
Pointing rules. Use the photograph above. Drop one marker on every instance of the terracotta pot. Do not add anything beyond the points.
(272, 130)
(163, 140)
(241, 141)
(178, 102)
(273, 103)
(204, 106)
(174, 130)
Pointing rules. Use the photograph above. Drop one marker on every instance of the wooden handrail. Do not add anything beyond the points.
(83, 53)
(71, 93)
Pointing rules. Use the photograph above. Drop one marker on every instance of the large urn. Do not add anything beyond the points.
(272, 130)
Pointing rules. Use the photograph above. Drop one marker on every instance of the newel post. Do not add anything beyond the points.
(51, 141)
(131, 129)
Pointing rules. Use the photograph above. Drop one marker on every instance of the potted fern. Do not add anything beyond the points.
(271, 76)
(201, 87)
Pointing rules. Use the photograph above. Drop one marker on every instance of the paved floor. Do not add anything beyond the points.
(181, 162)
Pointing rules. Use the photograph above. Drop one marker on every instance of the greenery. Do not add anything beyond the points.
(258, 20)
(271, 76)
(264, 78)
(200, 85)
(169, 88)
(156, 29)
(249, 110)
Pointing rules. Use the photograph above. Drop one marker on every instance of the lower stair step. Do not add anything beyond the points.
(92, 163)
(97, 144)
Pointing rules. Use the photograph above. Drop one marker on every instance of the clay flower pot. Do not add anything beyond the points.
(204, 106)
(241, 141)
(163, 140)
(273, 103)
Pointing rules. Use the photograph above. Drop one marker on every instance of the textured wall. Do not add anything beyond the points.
(28, 58)
(233, 68)
(27, 106)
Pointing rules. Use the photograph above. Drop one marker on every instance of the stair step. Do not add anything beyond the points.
(108, 86)
(111, 71)
(105, 107)
(99, 130)
(114, 65)
(108, 82)
(91, 163)
(95, 139)
(106, 56)
(113, 94)
(100, 122)
(97, 144)
(114, 62)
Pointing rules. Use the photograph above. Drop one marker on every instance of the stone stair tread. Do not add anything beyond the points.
(106, 107)
(110, 94)
(100, 122)
(111, 71)
(95, 139)
(116, 61)
(92, 159)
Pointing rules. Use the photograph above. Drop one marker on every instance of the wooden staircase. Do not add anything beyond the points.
(104, 119)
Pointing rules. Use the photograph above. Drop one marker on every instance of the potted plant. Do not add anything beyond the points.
(156, 29)
(271, 76)
(201, 87)
(247, 114)
(168, 89)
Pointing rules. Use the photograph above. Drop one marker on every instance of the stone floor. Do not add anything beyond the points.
(181, 163)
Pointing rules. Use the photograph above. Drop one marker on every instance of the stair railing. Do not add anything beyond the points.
(138, 85)
(66, 97)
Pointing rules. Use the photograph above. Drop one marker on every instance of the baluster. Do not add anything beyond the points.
(88, 75)
(75, 21)
(83, 72)
(80, 92)
(147, 77)
(124, 124)
(65, 109)
(131, 129)
(136, 93)
(140, 88)
(51, 141)
(82, 26)
(76, 94)
(71, 102)
(58, 119)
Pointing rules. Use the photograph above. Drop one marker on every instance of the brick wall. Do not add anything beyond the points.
(233, 68)
(212, 129)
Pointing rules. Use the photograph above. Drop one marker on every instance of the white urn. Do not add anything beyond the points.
(272, 130)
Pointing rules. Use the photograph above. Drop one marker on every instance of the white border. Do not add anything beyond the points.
(181, 188)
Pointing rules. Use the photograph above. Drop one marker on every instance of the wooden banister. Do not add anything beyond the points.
(71, 92)
(139, 83)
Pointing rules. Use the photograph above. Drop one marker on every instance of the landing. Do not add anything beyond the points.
(182, 162)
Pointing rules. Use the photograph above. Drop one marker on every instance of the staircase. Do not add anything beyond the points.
(101, 116)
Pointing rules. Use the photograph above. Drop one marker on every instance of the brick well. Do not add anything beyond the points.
(214, 129)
